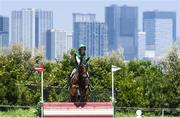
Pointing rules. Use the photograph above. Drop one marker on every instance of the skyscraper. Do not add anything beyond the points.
(141, 45)
(44, 22)
(23, 28)
(29, 27)
(82, 17)
(69, 44)
(160, 28)
(56, 44)
(91, 33)
(4, 32)
(122, 29)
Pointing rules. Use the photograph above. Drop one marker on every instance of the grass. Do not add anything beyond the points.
(133, 115)
(23, 113)
(29, 113)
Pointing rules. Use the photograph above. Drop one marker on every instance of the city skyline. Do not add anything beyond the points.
(63, 10)
(120, 28)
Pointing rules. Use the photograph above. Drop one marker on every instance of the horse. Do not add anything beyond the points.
(79, 85)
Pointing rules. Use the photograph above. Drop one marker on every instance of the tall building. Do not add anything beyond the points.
(44, 22)
(178, 40)
(4, 32)
(141, 45)
(82, 17)
(56, 44)
(91, 33)
(122, 24)
(23, 28)
(160, 28)
(69, 44)
(29, 27)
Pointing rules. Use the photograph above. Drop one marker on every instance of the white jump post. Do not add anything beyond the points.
(42, 95)
(40, 69)
(113, 69)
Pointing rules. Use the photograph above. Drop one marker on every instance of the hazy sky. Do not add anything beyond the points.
(63, 9)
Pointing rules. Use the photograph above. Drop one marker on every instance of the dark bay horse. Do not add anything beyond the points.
(79, 85)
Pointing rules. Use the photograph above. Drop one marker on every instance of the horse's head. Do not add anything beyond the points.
(83, 68)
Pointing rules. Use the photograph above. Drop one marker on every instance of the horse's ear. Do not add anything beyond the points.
(87, 59)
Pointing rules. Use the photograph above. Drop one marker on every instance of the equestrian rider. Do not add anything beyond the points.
(80, 56)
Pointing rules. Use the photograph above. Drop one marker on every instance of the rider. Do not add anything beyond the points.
(80, 56)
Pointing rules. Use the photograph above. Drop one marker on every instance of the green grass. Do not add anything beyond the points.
(25, 113)
(29, 113)
(133, 115)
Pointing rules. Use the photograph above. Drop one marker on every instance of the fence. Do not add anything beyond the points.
(147, 112)
(97, 96)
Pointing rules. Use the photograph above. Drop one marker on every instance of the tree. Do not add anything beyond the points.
(170, 66)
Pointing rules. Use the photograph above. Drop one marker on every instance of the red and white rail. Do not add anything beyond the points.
(78, 110)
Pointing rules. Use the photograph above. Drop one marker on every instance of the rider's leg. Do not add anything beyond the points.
(69, 79)
(74, 70)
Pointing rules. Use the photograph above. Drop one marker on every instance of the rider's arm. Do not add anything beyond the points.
(78, 60)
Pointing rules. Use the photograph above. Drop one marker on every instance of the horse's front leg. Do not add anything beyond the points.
(73, 89)
(73, 92)
(85, 90)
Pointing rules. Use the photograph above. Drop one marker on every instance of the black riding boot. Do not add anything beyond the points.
(68, 82)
